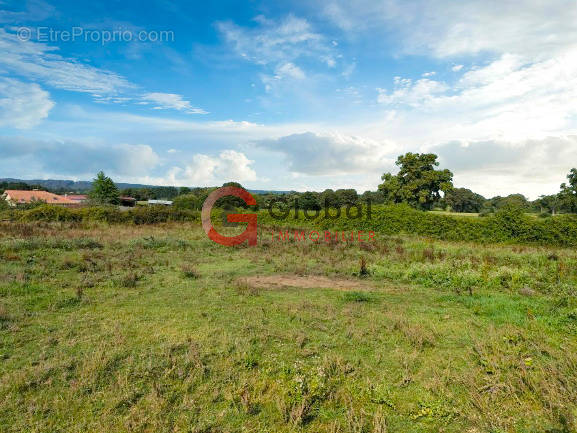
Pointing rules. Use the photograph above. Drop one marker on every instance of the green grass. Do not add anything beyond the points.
(151, 329)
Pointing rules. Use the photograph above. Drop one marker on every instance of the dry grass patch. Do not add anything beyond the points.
(305, 282)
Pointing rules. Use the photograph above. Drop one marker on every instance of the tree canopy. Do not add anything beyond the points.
(464, 200)
(104, 191)
(417, 183)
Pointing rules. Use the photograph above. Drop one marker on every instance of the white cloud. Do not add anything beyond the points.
(531, 27)
(289, 70)
(205, 170)
(508, 99)
(275, 42)
(67, 157)
(279, 46)
(163, 101)
(330, 154)
(457, 68)
(38, 61)
(35, 10)
(491, 167)
(22, 105)
(407, 92)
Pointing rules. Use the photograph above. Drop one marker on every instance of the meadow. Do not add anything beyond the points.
(154, 328)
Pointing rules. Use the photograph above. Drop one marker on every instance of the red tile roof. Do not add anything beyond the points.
(77, 197)
(19, 196)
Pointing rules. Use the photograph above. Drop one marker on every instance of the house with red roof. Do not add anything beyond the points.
(15, 197)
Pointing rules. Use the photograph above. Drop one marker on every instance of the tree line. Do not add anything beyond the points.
(418, 183)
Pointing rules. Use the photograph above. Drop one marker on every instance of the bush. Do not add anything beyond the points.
(507, 225)
(108, 214)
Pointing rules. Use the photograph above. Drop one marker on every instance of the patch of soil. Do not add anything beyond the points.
(310, 282)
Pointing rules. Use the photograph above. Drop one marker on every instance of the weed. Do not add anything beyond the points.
(358, 297)
(189, 271)
(242, 287)
(129, 280)
(363, 272)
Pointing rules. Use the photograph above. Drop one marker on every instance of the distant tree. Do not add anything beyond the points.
(187, 201)
(184, 190)
(231, 202)
(375, 197)
(104, 191)
(346, 197)
(568, 194)
(549, 203)
(309, 201)
(417, 183)
(329, 197)
(464, 200)
(22, 186)
(513, 200)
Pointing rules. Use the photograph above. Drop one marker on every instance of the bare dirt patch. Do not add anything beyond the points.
(309, 282)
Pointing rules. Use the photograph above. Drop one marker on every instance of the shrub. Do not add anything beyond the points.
(108, 214)
(507, 225)
(189, 271)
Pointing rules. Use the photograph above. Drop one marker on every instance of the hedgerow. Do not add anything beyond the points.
(108, 214)
(508, 225)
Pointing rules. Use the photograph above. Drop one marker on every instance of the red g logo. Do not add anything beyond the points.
(249, 234)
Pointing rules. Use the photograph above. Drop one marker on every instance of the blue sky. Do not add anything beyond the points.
(289, 95)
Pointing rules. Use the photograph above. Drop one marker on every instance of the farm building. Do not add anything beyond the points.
(160, 202)
(127, 201)
(15, 197)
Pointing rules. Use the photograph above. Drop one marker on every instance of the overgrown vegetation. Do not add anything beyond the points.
(156, 328)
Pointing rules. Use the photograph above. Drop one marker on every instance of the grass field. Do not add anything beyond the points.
(157, 329)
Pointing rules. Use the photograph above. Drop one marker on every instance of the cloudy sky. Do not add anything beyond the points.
(297, 95)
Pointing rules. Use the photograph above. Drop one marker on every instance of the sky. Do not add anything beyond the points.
(293, 95)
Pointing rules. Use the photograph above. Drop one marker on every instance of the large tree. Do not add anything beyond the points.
(417, 183)
(104, 191)
(464, 200)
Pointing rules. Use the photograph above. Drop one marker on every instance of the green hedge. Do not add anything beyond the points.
(109, 214)
(506, 226)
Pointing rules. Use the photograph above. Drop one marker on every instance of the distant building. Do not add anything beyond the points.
(127, 201)
(15, 197)
(160, 202)
(78, 198)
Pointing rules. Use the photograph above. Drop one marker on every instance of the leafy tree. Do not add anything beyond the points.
(187, 201)
(464, 200)
(104, 191)
(549, 203)
(346, 197)
(417, 183)
(513, 200)
(230, 202)
(330, 197)
(375, 197)
(568, 194)
(309, 201)
(184, 190)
